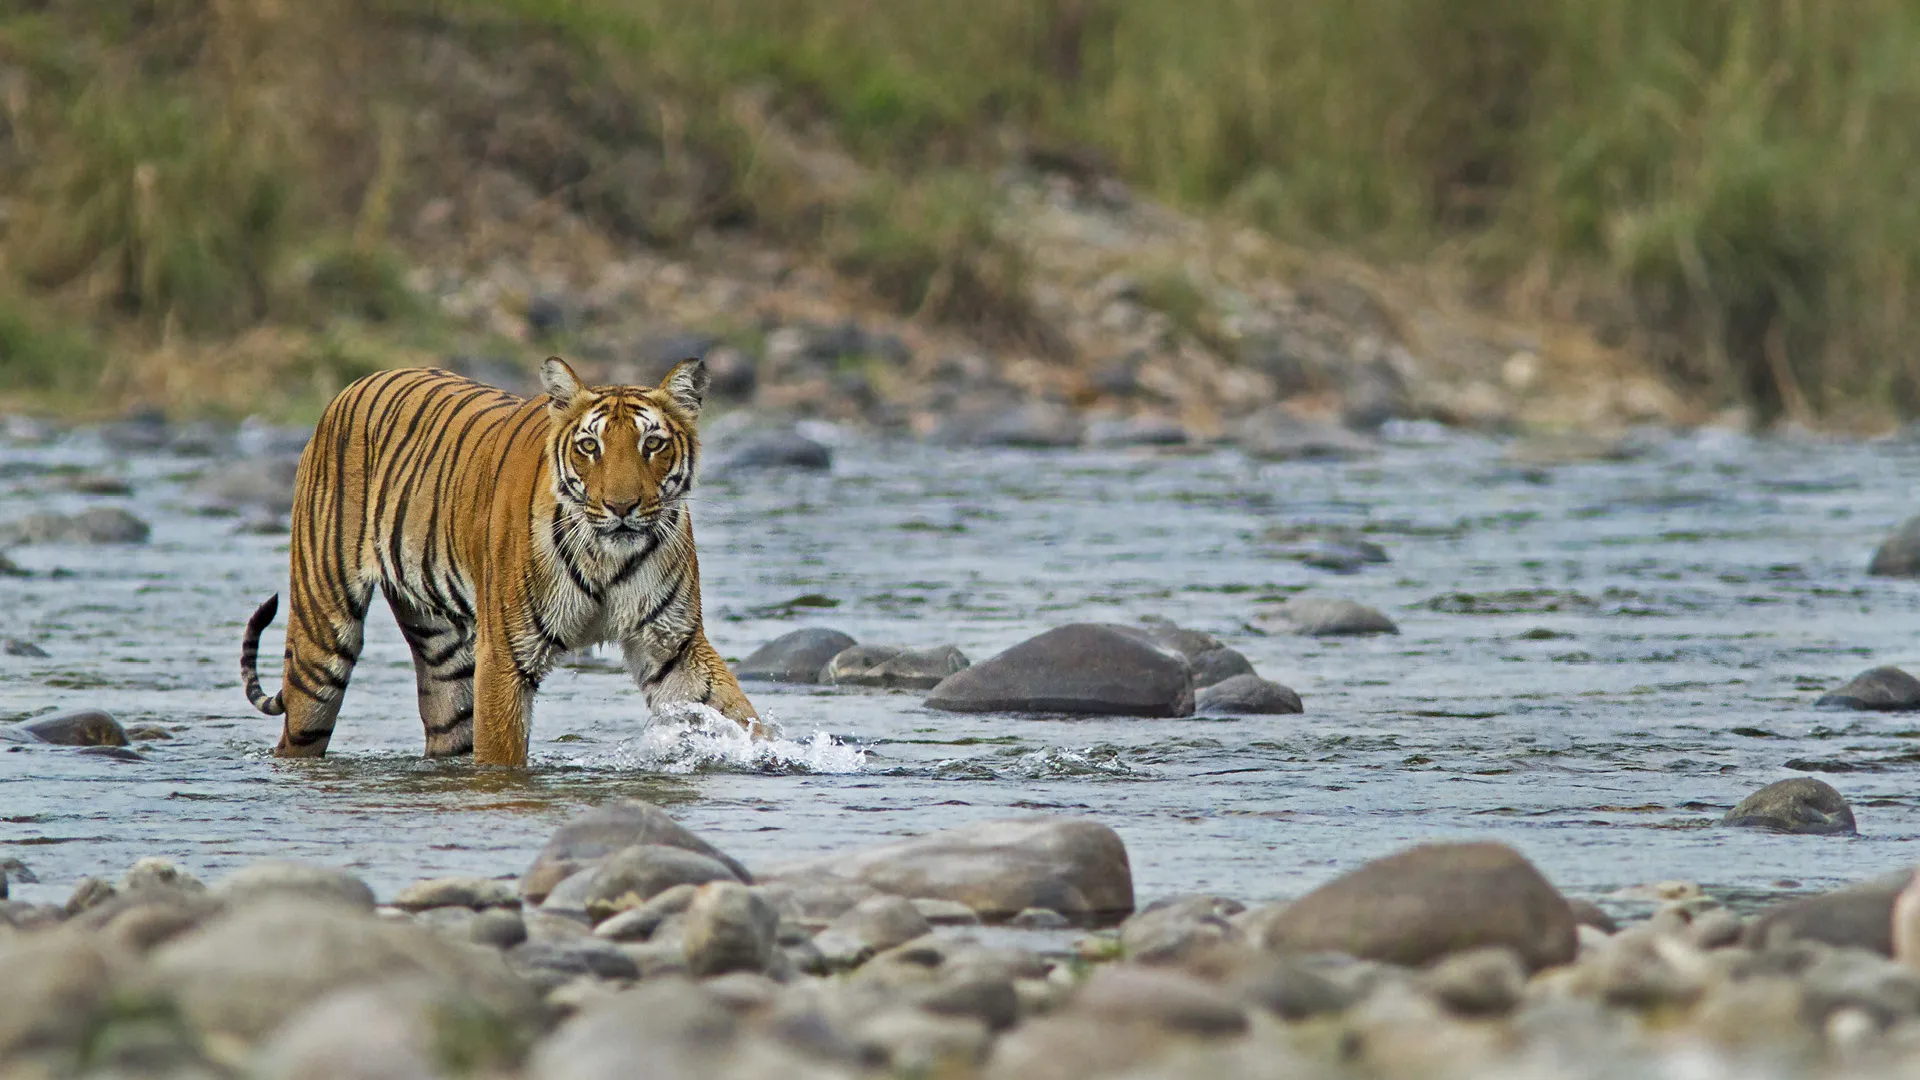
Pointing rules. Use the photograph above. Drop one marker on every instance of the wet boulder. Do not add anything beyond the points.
(1801, 804)
(98, 525)
(283, 879)
(999, 868)
(777, 448)
(1276, 434)
(1207, 659)
(1881, 689)
(465, 892)
(893, 668)
(1080, 668)
(1899, 554)
(1244, 695)
(1027, 425)
(592, 836)
(86, 728)
(1427, 902)
(794, 657)
(1857, 917)
(1317, 616)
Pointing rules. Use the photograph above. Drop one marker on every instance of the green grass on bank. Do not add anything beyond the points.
(1723, 184)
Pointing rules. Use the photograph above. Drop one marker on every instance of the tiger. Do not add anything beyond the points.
(504, 533)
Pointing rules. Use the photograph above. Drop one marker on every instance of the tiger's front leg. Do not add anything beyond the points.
(502, 703)
(689, 669)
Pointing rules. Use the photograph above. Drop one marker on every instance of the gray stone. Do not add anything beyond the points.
(729, 927)
(639, 924)
(1039, 918)
(467, 892)
(1246, 695)
(251, 970)
(264, 485)
(913, 1042)
(633, 876)
(550, 963)
(603, 830)
(1857, 917)
(1275, 434)
(396, 1031)
(1588, 913)
(277, 878)
(569, 898)
(27, 649)
(879, 665)
(148, 733)
(97, 525)
(89, 892)
(939, 912)
(1169, 931)
(794, 657)
(140, 922)
(1797, 805)
(999, 868)
(499, 928)
(53, 985)
(1031, 425)
(1427, 902)
(1881, 689)
(781, 448)
(1168, 999)
(87, 728)
(112, 753)
(1296, 988)
(1899, 554)
(1217, 666)
(872, 926)
(1080, 668)
(671, 1024)
(1478, 982)
(1143, 430)
(1317, 616)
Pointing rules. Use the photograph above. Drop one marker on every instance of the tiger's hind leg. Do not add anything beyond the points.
(443, 670)
(325, 630)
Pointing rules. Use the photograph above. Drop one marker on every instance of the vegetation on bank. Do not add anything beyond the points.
(1723, 186)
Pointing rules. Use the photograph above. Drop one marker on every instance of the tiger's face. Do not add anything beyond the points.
(622, 455)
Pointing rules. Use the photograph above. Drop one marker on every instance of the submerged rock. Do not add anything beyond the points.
(780, 448)
(1276, 434)
(1881, 689)
(1248, 695)
(1317, 616)
(98, 525)
(796, 656)
(1082, 668)
(1798, 805)
(1000, 868)
(87, 728)
(1428, 902)
(590, 837)
(1030, 425)
(1899, 554)
(885, 666)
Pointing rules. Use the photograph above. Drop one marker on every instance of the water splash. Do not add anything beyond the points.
(691, 738)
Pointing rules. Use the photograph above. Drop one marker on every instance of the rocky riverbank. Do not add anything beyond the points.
(1008, 949)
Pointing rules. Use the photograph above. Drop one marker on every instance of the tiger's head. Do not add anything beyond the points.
(622, 455)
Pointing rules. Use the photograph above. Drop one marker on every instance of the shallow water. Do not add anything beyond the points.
(1720, 583)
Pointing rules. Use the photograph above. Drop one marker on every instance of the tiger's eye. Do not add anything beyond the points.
(654, 444)
(588, 446)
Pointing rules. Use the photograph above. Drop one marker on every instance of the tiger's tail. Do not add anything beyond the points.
(250, 654)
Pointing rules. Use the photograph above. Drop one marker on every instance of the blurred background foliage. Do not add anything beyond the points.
(1722, 185)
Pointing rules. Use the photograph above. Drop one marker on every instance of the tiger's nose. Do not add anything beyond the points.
(621, 510)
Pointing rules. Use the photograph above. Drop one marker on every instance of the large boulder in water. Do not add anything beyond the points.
(1082, 668)
(1428, 902)
(1881, 689)
(1899, 554)
(1799, 805)
(794, 657)
(1074, 866)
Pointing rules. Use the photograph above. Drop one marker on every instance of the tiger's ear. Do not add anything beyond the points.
(560, 383)
(687, 384)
